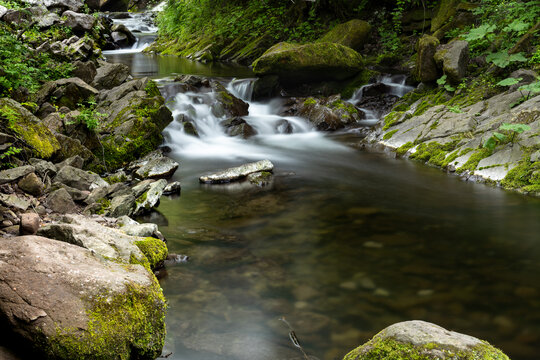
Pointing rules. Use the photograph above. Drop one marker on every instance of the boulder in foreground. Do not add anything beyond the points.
(310, 62)
(69, 303)
(420, 340)
(237, 173)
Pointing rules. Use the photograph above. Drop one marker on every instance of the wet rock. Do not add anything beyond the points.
(453, 59)
(353, 34)
(426, 68)
(79, 23)
(29, 224)
(122, 36)
(228, 104)
(309, 62)
(149, 198)
(159, 168)
(419, 338)
(85, 70)
(110, 75)
(31, 184)
(190, 129)
(79, 179)
(61, 202)
(11, 175)
(326, 114)
(263, 178)
(236, 173)
(173, 188)
(14, 201)
(238, 127)
(103, 306)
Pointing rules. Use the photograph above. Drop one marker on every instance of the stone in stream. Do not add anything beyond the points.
(237, 173)
(160, 168)
(72, 304)
(173, 188)
(422, 340)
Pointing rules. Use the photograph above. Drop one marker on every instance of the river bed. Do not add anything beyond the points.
(342, 243)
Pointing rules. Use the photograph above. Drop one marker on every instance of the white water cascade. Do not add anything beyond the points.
(276, 135)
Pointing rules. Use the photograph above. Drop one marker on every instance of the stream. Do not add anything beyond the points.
(342, 243)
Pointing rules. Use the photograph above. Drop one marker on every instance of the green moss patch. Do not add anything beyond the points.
(525, 176)
(389, 349)
(130, 325)
(473, 161)
(154, 249)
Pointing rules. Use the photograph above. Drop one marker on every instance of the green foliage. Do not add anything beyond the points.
(500, 26)
(20, 66)
(6, 157)
(442, 82)
(509, 81)
(511, 131)
(89, 116)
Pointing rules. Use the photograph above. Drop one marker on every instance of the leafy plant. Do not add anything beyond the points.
(442, 82)
(89, 116)
(509, 81)
(5, 157)
(498, 138)
(502, 58)
(455, 109)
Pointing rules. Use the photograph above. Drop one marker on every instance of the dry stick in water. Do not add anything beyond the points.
(293, 338)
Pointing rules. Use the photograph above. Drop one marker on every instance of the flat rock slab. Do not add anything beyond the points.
(236, 173)
(14, 174)
(160, 168)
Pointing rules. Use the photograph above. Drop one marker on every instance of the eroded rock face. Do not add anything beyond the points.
(72, 304)
(422, 340)
(309, 62)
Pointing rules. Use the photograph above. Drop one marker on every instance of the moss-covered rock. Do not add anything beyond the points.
(155, 251)
(21, 123)
(133, 126)
(353, 34)
(419, 340)
(310, 62)
(426, 68)
(103, 310)
(445, 10)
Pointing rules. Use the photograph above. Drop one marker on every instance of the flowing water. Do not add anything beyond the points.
(342, 242)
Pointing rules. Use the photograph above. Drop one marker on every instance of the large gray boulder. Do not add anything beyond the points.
(79, 23)
(326, 114)
(422, 340)
(148, 194)
(60, 201)
(109, 76)
(453, 59)
(160, 168)
(74, 304)
(237, 173)
(79, 179)
(66, 92)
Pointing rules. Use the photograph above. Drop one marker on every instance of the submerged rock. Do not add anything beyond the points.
(309, 62)
(72, 304)
(148, 194)
(236, 173)
(422, 340)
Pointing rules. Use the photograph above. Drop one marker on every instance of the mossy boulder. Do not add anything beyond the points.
(133, 126)
(353, 34)
(420, 340)
(154, 249)
(443, 13)
(310, 62)
(21, 123)
(426, 68)
(103, 310)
